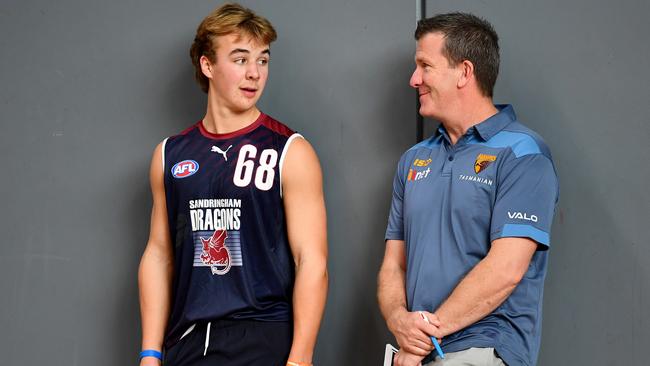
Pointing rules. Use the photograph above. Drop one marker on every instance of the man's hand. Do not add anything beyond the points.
(404, 358)
(410, 329)
(412, 332)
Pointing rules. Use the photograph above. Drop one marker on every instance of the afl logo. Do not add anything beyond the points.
(185, 168)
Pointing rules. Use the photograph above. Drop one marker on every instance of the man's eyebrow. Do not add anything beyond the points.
(239, 50)
(243, 50)
(421, 59)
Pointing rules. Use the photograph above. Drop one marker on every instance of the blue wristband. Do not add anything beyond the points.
(151, 353)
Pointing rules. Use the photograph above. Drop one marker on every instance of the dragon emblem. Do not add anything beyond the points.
(215, 253)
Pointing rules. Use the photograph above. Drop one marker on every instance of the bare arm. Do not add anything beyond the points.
(487, 285)
(391, 290)
(307, 229)
(409, 329)
(156, 266)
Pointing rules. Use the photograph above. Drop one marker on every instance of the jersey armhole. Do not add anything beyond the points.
(284, 153)
(162, 154)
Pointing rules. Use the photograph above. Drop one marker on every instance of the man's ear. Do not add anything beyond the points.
(206, 67)
(466, 73)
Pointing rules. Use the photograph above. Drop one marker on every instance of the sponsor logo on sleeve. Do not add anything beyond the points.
(185, 168)
(522, 216)
(483, 161)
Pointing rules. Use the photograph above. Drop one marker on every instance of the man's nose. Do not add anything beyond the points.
(416, 79)
(253, 73)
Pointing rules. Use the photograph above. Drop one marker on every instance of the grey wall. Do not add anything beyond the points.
(339, 75)
(88, 88)
(575, 72)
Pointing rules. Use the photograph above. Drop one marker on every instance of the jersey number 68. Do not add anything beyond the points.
(264, 173)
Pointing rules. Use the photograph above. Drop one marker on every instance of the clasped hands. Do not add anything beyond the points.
(413, 334)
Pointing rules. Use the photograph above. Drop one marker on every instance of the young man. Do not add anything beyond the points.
(468, 233)
(234, 272)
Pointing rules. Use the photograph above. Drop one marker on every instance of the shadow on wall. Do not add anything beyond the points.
(135, 215)
(182, 103)
(180, 97)
(357, 233)
(597, 253)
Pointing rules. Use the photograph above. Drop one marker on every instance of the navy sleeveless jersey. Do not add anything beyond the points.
(227, 224)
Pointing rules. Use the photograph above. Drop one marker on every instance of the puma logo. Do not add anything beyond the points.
(218, 150)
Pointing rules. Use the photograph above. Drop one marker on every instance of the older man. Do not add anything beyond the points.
(468, 234)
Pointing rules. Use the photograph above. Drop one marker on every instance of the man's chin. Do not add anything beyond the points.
(241, 108)
(426, 113)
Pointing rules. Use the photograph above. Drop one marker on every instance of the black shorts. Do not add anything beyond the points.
(233, 343)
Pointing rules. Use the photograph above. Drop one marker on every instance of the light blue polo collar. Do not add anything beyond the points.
(490, 126)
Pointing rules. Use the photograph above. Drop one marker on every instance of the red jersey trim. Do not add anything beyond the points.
(220, 136)
(277, 127)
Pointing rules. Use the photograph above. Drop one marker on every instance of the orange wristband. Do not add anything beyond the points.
(294, 363)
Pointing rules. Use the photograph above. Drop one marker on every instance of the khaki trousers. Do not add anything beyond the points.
(469, 357)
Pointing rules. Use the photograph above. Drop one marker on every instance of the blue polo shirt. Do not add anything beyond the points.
(451, 201)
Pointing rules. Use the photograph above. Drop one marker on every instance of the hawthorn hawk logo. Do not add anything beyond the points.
(482, 162)
(215, 253)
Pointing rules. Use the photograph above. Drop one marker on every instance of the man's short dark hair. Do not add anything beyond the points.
(467, 37)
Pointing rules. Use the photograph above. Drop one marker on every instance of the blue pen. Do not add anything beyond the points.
(433, 339)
